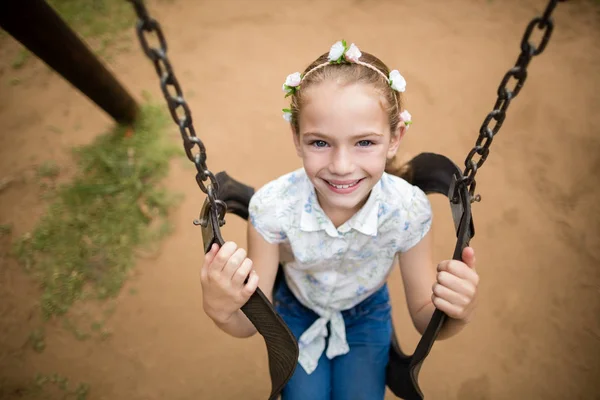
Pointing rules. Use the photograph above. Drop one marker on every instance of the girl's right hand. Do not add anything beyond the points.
(223, 276)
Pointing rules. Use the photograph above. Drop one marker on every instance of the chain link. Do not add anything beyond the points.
(178, 107)
(518, 74)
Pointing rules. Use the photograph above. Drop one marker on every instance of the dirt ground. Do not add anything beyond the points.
(537, 331)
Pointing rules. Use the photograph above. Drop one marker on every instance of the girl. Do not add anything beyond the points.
(336, 225)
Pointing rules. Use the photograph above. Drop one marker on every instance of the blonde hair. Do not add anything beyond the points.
(375, 75)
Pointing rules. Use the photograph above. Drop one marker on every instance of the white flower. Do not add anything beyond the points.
(397, 81)
(287, 116)
(406, 118)
(336, 51)
(293, 80)
(353, 53)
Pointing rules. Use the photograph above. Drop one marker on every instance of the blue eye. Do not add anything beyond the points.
(364, 143)
(319, 143)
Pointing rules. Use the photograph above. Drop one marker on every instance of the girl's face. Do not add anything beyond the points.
(344, 142)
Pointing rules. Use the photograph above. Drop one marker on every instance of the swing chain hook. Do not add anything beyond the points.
(178, 107)
(481, 150)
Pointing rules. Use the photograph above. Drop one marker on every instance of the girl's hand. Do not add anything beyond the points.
(455, 290)
(223, 275)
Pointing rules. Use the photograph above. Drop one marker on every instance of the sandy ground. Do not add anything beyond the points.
(537, 331)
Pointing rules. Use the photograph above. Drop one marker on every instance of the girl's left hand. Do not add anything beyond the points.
(455, 289)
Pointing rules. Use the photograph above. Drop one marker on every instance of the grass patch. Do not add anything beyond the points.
(37, 340)
(57, 386)
(96, 18)
(77, 332)
(5, 229)
(88, 237)
(48, 169)
(101, 23)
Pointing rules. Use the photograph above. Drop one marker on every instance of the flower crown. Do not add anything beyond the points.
(341, 53)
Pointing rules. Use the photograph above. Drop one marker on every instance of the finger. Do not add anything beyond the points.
(240, 275)
(459, 269)
(210, 256)
(456, 284)
(443, 265)
(252, 284)
(468, 256)
(449, 309)
(234, 263)
(450, 296)
(208, 259)
(222, 257)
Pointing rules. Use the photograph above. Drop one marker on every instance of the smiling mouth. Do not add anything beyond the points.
(345, 185)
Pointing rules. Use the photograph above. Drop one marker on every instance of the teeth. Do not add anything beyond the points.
(343, 186)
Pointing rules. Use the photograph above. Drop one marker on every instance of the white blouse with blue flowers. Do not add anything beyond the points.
(335, 269)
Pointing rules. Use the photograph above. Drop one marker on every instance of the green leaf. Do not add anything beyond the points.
(287, 110)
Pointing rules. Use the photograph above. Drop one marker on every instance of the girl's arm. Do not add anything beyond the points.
(222, 281)
(266, 260)
(452, 288)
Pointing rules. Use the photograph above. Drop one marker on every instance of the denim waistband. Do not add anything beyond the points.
(375, 300)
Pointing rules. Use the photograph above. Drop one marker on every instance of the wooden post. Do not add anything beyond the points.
(39, 28)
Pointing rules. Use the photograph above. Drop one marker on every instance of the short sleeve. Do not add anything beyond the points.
(418, 219)
(263, 214)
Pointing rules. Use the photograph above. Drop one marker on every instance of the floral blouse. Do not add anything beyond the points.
(331, 269)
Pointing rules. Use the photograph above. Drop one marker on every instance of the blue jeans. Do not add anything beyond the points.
(356, 375)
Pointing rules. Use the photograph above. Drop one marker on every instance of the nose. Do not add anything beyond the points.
(341, 162)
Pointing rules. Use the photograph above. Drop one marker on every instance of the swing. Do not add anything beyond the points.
(432, 173)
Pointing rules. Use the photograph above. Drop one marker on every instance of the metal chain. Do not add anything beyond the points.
(168, 83)
(172, 92)
(505, 96)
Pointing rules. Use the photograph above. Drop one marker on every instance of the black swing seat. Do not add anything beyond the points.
(432, 173)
